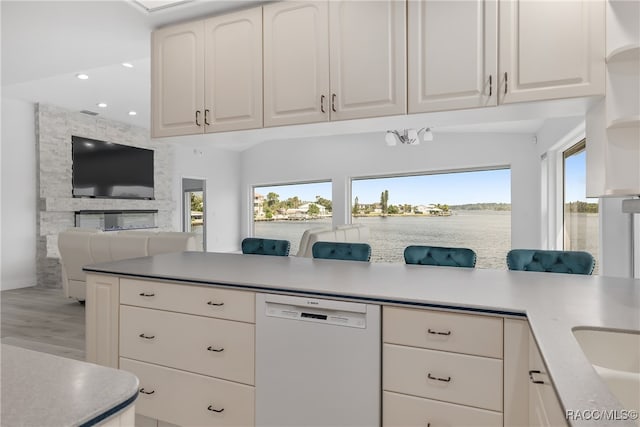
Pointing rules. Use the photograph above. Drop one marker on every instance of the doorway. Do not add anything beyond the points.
(194, 209)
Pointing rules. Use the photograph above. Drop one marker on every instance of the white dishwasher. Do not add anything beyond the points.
(317, 362)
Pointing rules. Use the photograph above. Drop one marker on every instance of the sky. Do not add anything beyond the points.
(451, 188)
(576, 178)
(493, 186)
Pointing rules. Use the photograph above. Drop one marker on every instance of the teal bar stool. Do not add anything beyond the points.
(342, 250)
(258, 246)
(570, 262)
(440, 256)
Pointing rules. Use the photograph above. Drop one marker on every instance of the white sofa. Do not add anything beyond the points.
(354, 233)
(79, 247)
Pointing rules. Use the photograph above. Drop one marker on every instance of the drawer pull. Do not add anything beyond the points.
(217, 350)
(212, 409)
(146, 337)
(142, 390)
(217, 304)
(431, 377)
(144, 294)
(534, 380)
(432, 332)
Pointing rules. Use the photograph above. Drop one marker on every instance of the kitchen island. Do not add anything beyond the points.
(554, 305)
(40, 389)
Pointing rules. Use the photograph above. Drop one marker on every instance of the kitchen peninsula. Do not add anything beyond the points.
(553, 305)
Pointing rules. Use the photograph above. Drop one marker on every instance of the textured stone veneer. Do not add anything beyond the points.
(56, 206)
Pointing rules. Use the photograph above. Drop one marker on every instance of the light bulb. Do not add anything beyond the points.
(427, 136)
(390, 138)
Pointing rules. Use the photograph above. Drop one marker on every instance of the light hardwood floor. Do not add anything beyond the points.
(43, 320)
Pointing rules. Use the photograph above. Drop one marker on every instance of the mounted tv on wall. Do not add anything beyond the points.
(107, 170)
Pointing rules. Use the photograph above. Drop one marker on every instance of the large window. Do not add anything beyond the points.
(580, 214)
(461, 209)
(286, 211)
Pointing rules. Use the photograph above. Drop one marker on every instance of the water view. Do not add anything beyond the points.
(488, 233)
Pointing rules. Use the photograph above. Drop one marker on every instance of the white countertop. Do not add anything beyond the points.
(40, 389)
(553, 303)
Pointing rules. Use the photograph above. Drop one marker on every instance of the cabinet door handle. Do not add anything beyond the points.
(198, 118)
(333, 103)
(431, 377)
(217, 304)
(322, 103)
(506, 85)
(206, 118)
(212, 409)
(217, 350)
(145, 294)
(146, 337)
(534, 380)
(490, 85)
(432, 332)
(143, 391)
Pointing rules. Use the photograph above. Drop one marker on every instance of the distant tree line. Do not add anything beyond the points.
(482, 207)
(272, 204)
(581, 207)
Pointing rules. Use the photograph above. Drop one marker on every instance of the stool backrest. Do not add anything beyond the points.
(258, 246)
(571, 262)
(441, 256)
(342, 250)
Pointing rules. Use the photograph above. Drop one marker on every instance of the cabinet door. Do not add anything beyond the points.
(551, 49)
(233, 71)
(368, 58)
(177, 80)
(102, 314)
(296, 63)
(453, 54)
(544, 406)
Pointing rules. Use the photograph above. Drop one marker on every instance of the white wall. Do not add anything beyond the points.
(18, 194)
(221, 170)
(341, 158)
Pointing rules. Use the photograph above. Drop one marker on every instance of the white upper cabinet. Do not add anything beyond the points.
(296, 63)
(233, 71)
(207, 75)
(177, 80)
(367, 58)
(551, 49)
(452, 54)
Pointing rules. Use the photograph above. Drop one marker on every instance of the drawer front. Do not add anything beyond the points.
(184, 399)
(199, 300)
(403, 410)
(220, 348)
(457, 378)
(459, 333)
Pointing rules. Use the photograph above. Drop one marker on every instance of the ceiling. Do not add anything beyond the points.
(45, 44)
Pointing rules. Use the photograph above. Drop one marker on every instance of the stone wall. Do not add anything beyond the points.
(56, 206)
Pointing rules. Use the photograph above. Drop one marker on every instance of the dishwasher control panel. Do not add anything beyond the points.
(353, 319)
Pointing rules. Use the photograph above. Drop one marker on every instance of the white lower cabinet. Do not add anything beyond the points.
(544, 406)
(450, 377)
(188, 399)
(441, 369)
(405, 410)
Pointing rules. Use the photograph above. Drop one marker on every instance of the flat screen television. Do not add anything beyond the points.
(107, 170)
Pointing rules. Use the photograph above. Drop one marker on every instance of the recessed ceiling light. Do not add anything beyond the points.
(102, 105)
(127, 65)
(132, 113)
(82, 76)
